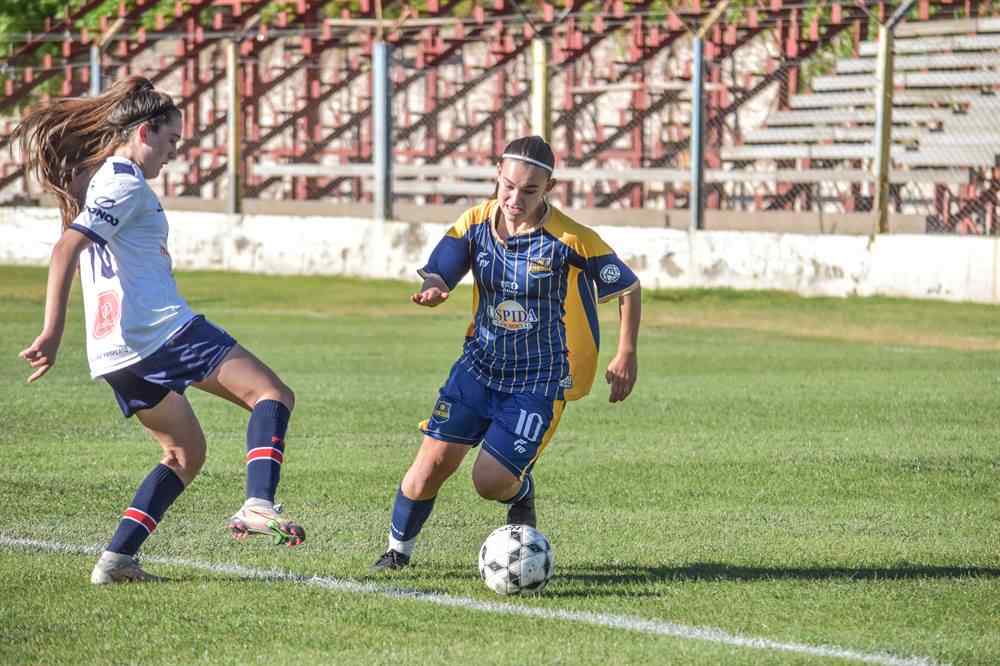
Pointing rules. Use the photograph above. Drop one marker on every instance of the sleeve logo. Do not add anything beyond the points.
(610, 274)
(102, 214)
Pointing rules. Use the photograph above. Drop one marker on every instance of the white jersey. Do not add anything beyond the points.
(129, 295)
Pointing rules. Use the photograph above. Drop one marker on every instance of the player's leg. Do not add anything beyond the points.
(168, 417)
(435, 462)
(456, 425)
(244, 380)
(522, 430)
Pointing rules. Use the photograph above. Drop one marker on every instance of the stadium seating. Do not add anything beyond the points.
(944, 109)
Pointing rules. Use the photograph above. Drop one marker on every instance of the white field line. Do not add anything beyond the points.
(626, 622)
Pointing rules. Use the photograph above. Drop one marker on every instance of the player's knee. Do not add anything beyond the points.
(493, 487)
(424, 480)
(187, 461)
(418, 487)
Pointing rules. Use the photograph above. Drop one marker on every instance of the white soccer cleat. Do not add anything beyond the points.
(254, 518)
(119, 568)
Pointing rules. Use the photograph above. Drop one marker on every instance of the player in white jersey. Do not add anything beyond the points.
(532, 344)
(96, 154)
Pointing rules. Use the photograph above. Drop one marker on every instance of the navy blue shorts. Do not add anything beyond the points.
(187, 357)
(514, 427)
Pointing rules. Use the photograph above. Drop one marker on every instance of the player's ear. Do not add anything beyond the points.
(549, 185)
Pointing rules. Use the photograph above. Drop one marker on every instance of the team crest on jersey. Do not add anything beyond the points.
(108, 311)
(610, 274)
(540, 267)
(512, 316)
(442, 411)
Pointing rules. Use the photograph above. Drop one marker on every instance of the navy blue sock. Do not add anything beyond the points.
(526, 491)
(155, 495)
(266, 448)
(408, 516)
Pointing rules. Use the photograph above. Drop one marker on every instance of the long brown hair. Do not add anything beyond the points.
(63, 142)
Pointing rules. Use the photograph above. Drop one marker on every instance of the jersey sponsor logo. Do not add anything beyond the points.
(102, 214)
(508, 286)
(512, 316)
(483, 259)
(540, 267)
(105, 202)
(442, 411)
(108, 311)
(610, 274)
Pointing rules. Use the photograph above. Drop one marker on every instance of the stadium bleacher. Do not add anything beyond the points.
(944, 109)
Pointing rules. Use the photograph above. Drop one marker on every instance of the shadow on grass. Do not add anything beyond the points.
(604, 576)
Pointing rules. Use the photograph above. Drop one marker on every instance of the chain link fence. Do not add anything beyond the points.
(790, 106)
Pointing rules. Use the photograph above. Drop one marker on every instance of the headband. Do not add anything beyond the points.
(511, 156)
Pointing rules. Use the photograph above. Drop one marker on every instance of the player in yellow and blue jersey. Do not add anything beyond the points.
(531, 346)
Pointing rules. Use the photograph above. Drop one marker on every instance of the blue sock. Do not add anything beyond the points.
(155, 495)
(408, 518)
(266, 448)
(526, 491)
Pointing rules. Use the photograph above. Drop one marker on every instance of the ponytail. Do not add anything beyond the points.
(63, 142)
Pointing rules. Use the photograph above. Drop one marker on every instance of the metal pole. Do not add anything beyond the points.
(382, 130)
(95, 70)
(883, 128)
(234, 189)
(541, 98)
(697, 201)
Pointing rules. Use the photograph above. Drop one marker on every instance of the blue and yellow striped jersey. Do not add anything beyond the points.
(534, 327)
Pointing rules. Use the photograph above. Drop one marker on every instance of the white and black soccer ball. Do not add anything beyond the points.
(516, 559)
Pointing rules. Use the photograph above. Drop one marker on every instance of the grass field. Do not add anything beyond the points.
(821, 475)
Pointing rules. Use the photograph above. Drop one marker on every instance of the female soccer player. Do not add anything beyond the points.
(531, 346)
(96, 155)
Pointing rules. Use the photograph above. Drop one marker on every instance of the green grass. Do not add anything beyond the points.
(803, 470)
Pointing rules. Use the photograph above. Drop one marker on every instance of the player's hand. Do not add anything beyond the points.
(41, 354)
(430, 297)
(621, 374)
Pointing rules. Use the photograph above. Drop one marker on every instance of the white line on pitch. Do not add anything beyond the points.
(626, 622)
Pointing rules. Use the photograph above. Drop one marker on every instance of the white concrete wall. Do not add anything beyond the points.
(919, 266)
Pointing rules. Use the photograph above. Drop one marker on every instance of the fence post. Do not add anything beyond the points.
(883, 128)
(382, 129)
(234, 189)
(95, 70)
(697, 202)
(541, 99)
(885, 75)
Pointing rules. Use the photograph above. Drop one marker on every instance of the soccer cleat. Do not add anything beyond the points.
(391, 560)
(119, 568)
(523, 513)
(267, 521)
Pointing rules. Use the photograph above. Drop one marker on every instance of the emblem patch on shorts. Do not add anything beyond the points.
(442, 411)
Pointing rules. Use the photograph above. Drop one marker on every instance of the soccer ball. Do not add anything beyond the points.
(516, 559)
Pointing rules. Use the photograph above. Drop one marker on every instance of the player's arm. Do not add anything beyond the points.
(624, 367)
(41, 354)
(448, 264)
